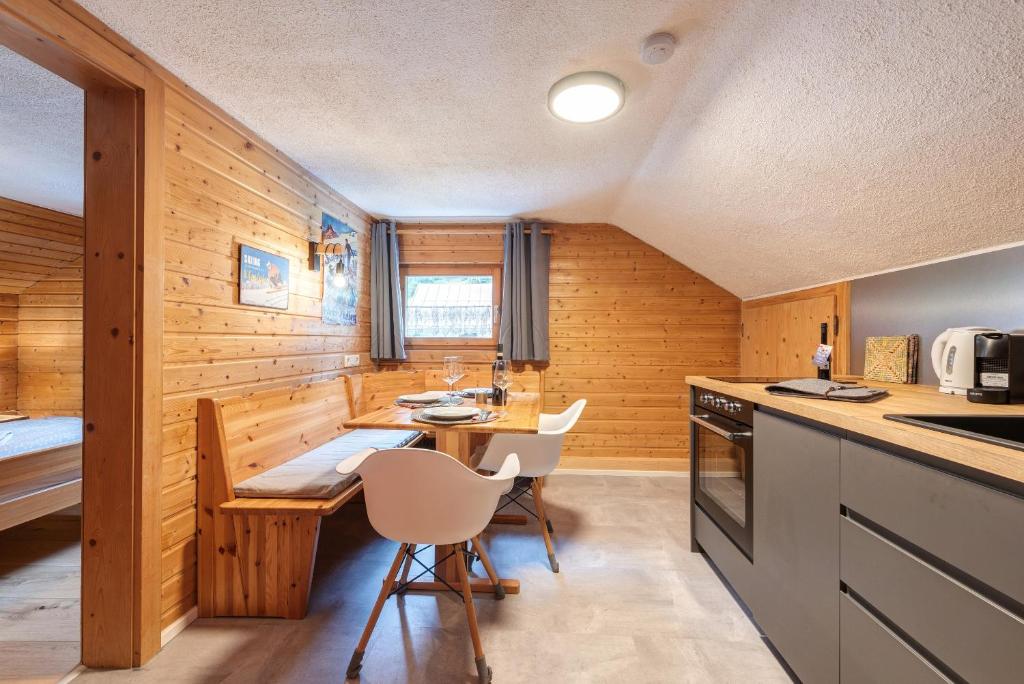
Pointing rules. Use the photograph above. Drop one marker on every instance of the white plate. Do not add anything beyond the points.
(451, 412)
(423, 397)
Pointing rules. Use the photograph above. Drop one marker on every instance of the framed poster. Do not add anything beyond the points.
(335, 231)
(341, 287)
(262, 279)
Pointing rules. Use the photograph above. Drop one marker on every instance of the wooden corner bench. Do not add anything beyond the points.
(256, 552)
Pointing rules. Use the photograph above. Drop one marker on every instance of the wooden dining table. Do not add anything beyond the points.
(521, 415)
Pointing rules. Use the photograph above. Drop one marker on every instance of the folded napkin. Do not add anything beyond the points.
(423, 397)
(813, 388)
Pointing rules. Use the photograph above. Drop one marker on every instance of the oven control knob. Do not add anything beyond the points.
(704, 398)
(719, 402)
(734, 407)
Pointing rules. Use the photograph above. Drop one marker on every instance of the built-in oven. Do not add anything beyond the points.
(721, 463)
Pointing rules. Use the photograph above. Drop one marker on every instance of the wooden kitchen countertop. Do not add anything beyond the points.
(866, 419)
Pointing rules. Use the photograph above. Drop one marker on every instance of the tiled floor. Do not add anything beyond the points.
(631, 604)
(40, 585)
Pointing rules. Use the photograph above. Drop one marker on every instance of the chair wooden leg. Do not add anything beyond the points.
(482, 671)
(408, 564)
(356, 663)
(478, 548)
(542, 518)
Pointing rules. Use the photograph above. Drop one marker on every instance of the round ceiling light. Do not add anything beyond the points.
(586, 97)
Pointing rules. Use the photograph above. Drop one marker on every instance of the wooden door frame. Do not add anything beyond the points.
(122, 326)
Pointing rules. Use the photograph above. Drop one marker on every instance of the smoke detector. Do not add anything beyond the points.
(658, 48)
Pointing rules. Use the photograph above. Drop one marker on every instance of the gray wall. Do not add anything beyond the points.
(984, 290)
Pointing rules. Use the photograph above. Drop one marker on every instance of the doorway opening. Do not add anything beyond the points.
(42, 237)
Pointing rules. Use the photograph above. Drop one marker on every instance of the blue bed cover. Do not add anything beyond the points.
(23, 436)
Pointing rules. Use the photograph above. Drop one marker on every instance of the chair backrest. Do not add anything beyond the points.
(560, 423)
(421, 496)
(538, 454)
(265, 429)
(372, 391)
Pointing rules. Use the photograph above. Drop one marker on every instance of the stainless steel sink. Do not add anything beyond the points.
(1007, 431)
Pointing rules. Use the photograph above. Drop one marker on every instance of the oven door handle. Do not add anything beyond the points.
(703, 421)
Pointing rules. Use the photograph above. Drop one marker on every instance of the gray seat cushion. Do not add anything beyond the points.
(312, 475)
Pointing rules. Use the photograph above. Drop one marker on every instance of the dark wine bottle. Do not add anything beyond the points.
(825, 373)
(499, 397)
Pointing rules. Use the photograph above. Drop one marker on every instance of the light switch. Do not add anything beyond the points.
(351, 360)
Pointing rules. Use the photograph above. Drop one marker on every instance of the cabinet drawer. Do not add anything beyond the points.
(970, 526)
(972, 636)
(870, 654)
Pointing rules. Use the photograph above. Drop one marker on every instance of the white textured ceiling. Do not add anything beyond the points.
(41, 136)
(788, 142)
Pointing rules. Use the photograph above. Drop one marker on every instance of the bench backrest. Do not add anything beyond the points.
(525, 381)
(372, 391)
(268, 428)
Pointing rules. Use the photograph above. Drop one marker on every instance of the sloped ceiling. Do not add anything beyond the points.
(41, 136)
(787, 143)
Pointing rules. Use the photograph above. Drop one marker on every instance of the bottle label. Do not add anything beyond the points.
(822, 357)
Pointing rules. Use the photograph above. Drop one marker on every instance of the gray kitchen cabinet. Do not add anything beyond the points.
(972, 527)
(872, 654)
(796, 595)
(939, 558)
(972, 636)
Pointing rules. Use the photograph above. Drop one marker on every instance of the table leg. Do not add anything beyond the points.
(457, 444)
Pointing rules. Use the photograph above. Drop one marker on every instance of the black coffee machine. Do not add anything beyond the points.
(998, 369)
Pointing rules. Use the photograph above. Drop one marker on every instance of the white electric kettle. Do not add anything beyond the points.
(953, 359)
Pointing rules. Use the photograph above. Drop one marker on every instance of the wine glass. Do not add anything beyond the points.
(452, 373)
(502, 379)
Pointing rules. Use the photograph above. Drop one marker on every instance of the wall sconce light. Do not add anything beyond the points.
(318, 248)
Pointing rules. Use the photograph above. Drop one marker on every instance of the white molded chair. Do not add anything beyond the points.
(538, 456)
(425, 497)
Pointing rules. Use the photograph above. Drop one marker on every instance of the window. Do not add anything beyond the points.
(457, 305)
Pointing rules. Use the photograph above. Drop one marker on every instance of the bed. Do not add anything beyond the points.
(40, 467)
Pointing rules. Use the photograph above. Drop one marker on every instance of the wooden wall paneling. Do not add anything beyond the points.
(224, 188)
(627, 325)
(35, 243)
(50, 377)
(450, 244)
(8, 351)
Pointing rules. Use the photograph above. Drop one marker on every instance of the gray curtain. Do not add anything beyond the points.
(523, 332)
(387, 329)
